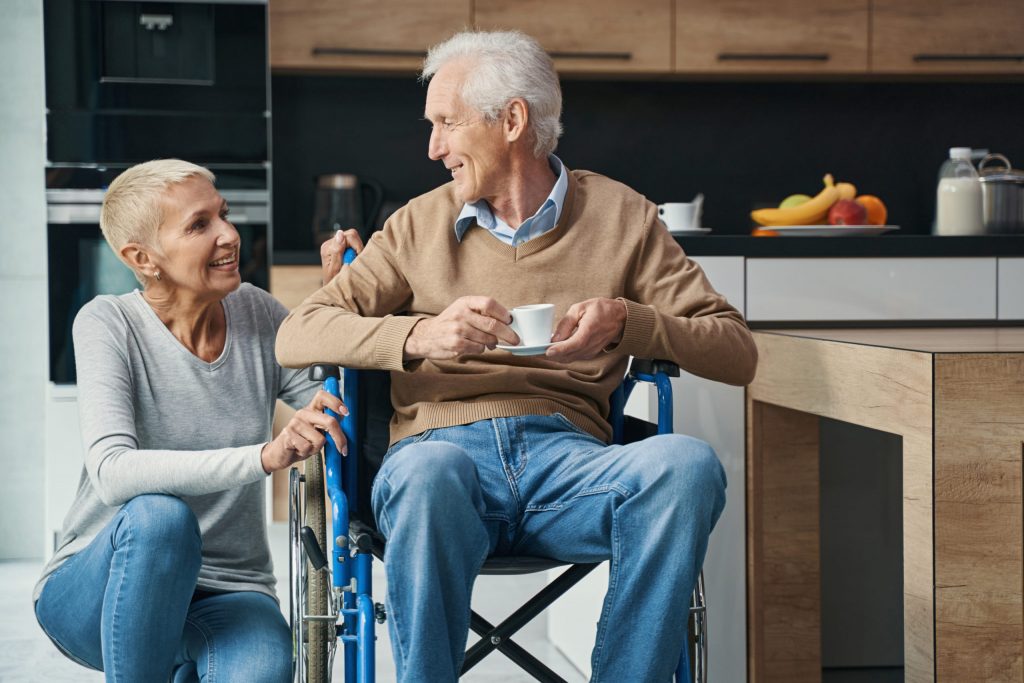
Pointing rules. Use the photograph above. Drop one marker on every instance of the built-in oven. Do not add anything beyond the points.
(129, 81)
(83, 266)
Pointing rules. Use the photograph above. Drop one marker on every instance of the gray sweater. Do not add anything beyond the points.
(157, 419)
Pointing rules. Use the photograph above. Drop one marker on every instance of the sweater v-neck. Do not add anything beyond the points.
(537, 244)
(191, 357)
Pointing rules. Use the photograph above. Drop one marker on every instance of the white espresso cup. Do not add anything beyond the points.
(533, 323)
(679, 215)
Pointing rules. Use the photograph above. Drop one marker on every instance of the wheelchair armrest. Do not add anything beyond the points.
(648, 366)
(321, 371)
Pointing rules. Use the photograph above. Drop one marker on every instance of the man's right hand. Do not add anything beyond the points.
(469, 326)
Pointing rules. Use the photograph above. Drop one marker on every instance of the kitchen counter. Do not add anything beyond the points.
(790, 247)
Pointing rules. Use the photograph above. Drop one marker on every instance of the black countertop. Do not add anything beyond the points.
(796, 247)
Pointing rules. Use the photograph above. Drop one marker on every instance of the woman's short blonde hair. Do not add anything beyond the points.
(132, 208)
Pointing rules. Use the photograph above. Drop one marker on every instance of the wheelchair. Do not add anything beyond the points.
(331, 592)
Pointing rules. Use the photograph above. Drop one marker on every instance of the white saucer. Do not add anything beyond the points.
(535, 350)
(689, 232)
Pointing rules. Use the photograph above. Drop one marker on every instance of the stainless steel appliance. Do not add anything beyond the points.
(1002, 196)
(340, 205)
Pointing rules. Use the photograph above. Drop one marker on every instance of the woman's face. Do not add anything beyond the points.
(199, 247)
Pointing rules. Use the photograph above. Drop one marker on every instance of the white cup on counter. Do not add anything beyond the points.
(533, 323)
(679, 215)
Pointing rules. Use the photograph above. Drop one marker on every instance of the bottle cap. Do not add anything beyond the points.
(960, 153)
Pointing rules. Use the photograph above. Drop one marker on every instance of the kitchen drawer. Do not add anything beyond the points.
(871, 289)
(1011, 289)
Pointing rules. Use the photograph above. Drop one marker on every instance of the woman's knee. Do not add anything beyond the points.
(162, 522)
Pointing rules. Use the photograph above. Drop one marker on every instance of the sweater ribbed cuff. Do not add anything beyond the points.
(638, 330)
(390, 347)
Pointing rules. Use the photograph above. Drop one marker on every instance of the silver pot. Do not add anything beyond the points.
(1002, 196)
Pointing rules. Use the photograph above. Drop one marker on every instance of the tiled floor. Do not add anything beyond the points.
(27, 655)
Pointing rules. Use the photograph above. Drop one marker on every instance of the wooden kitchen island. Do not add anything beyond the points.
(955, 396)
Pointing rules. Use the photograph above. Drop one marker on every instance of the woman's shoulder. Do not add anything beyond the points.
(256, 307)
(108, 311)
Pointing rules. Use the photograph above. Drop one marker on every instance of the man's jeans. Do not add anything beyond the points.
(123, 605)
(448, 498)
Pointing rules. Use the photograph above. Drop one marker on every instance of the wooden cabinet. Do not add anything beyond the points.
(947, 36)
(774, 37)
(590, 36)
(370, 35)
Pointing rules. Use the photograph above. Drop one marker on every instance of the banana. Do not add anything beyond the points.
(846, 190)
(808, 213)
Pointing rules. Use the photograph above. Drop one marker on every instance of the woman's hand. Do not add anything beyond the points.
(332, 252)
(304, 434)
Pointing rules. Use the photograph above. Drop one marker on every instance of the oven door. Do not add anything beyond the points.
(82, 266)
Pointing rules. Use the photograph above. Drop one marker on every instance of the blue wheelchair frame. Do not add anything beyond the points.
(351, 575)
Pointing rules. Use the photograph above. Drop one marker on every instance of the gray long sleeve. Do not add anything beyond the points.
(157, 419)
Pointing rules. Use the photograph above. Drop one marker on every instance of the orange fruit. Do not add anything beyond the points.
(764, 232)
(877, 212)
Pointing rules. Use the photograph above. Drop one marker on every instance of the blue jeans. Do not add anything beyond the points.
(124, 605)
(537, 485)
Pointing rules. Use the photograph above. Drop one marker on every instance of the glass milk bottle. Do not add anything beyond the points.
(958, 202)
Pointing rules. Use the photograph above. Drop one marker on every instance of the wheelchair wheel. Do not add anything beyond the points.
(320, 635)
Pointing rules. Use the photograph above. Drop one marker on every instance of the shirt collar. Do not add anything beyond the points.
(479, 212)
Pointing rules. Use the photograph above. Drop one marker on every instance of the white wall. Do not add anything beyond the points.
(23, 304)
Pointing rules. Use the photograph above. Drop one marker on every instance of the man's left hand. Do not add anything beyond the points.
(332, 252)
(587, 329)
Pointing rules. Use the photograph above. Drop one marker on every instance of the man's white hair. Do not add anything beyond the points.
(505, 65)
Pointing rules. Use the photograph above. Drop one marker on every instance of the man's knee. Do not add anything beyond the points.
(434, 466)
(686, 462)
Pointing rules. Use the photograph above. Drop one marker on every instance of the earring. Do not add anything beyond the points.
(156, 274)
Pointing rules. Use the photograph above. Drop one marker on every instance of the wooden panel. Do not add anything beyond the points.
(377, 35)
(947, 36)
(780, 36)
(291, 284)
(783, 573)
(979, 412)
(924, 339)
(590, 36)
(880, 388)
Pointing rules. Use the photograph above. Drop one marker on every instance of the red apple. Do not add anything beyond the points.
(847, 212)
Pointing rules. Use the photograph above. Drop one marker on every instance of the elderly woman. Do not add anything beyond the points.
(164, 565)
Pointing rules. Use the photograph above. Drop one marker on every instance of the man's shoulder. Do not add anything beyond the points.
(440, 199)
(597, 188)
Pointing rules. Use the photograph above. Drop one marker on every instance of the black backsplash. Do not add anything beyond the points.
(742, 144)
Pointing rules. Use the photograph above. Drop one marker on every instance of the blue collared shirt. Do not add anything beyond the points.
(479, 212)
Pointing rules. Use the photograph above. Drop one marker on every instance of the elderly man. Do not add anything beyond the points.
(497, 454)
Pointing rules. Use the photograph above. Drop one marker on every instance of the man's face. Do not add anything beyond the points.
(475, 151)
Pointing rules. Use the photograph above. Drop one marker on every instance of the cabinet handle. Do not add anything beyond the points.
(361, 52)
(773, 57)
(968, 58)
(619, 56)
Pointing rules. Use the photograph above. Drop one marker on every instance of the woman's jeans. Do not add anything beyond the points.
(124, 605)
(537, 485)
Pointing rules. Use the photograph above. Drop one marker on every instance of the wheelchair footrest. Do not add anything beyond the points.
(312, 546)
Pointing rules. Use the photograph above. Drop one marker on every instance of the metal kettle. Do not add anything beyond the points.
(1002, 196)
(340, 202)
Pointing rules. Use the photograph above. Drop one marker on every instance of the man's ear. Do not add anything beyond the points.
(517, 119)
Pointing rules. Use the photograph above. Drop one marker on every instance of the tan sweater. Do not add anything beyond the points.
(607, 243)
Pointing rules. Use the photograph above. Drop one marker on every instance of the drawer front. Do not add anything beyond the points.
(871, 289)
(1011, 289)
